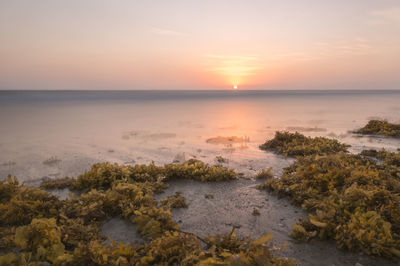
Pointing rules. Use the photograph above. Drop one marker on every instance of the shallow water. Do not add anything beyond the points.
(57, 134)
(80, 128)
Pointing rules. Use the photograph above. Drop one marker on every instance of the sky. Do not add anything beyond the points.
(204, 44)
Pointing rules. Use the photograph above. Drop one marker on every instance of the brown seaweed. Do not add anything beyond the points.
(296, 144)
(175, 201)
(36, 228)
(380, 127)
(351, 198)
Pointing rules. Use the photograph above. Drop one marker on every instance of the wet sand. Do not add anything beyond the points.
(232, 205)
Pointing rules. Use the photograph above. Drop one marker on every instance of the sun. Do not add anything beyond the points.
(235, 87)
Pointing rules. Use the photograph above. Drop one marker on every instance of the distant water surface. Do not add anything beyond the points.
(57, 133)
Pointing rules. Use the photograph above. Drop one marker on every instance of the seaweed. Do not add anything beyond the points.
(8, 188)
(104, 175)
(58, 183)
(221, 160)
(351, 198)
(296, 144)
(265, 174)
(36, 228)
(42, 237)
(52, 161)
(230, 250)
(173, 248)
(20, 204)
(387, 158)
(97, 253)
(153, 222)
(174, 201)
(380, 127)
(197, 170)
(256, 212)
(101, 176)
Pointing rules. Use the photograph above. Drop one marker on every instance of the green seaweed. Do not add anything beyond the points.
(380, 127)
(296, 144)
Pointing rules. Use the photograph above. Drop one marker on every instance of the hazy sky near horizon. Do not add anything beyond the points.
(207, 44)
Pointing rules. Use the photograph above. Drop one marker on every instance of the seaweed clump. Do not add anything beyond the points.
(37, 228)
(351, 198)
(221, 160)
(265, 174)
(296, 144)
(103, 175)
(57, 184)
(175, 201)
(52, 161)
(380, 127)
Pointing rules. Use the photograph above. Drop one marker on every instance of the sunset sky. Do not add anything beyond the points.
(207, 44)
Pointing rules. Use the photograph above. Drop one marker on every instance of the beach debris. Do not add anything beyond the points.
(296, 144)
(52, 161)
(242, 175)
(208, 196)
(175, 201)
(380, 127)
(256, 212)
(221, 159)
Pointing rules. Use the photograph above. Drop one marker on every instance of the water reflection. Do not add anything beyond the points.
(81, 132)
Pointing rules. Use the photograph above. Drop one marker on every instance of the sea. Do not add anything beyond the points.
(52, 134)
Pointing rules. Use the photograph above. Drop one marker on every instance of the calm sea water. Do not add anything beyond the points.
(58, 133)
